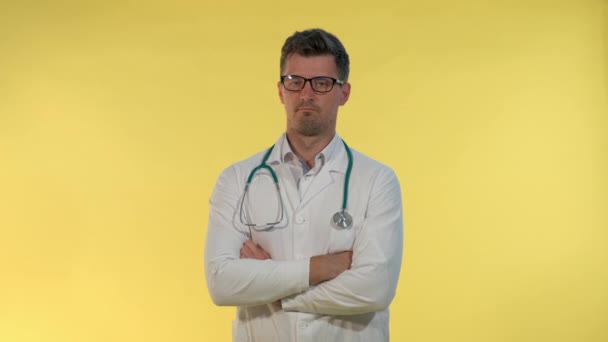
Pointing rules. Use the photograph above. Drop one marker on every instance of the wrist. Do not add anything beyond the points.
(317, 273)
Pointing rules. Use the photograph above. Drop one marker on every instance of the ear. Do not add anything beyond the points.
(280, 92)
(344, 93)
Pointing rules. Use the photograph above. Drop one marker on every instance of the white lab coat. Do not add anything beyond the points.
(351, 307)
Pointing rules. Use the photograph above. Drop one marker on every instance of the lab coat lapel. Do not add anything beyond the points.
(326, 177)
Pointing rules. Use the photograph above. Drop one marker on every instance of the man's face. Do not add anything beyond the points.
(310, 113)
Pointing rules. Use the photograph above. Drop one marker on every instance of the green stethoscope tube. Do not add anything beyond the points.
(341, 219)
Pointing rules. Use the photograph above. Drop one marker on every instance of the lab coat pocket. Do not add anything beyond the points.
(341, 239)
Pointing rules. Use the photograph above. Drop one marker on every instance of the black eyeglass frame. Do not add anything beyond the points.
(310, 80)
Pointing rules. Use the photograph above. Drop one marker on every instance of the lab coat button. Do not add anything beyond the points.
(299, 220)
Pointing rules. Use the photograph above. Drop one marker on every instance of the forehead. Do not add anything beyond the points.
(324, 65)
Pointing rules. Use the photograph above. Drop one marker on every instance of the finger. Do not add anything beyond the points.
(250, 243)
(246, 251)
(263, 253)
(260, 253)
(254, 251)
(250, 248)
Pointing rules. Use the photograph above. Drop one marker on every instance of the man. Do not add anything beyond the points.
(315, 254)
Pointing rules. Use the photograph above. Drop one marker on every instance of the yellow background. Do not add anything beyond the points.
(116, 117)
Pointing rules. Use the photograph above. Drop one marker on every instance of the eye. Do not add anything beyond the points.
(295, 81)
(323, 82)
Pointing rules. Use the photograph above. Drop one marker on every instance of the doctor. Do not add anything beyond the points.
(308, 246)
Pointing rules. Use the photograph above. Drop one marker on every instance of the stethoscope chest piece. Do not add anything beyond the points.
(342, 219)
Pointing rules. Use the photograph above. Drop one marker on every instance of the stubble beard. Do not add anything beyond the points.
(309, 126)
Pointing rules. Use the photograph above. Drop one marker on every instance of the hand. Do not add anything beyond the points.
(251, 250)
(329, 266)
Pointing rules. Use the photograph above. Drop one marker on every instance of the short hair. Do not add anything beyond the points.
(316, 42)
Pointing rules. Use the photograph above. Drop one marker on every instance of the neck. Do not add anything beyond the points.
(306, 148)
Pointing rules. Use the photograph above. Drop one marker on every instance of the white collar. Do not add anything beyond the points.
(331, 154)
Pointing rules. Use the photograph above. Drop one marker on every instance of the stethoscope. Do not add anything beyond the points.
(340, 219)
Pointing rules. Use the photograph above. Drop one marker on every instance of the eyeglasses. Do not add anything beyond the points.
(321, 84)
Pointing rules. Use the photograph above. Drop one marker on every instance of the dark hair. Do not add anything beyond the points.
(316, 42)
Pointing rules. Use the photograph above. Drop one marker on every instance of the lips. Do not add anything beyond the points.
(307, 106)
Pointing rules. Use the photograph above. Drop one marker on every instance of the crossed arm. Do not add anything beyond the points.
(322, 267)
(240, 273)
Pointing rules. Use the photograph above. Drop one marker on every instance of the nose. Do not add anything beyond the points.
(307, 92)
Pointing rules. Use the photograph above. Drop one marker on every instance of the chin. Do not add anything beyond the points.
(310, 131)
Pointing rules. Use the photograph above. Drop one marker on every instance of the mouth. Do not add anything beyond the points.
(307, 109)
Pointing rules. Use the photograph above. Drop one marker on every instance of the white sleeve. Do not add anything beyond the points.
(371, 282)
(240, 282)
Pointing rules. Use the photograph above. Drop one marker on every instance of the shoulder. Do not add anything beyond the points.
(251, 161)
(377, 179)
(376, 174)
(237, 169)
(369, 164)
